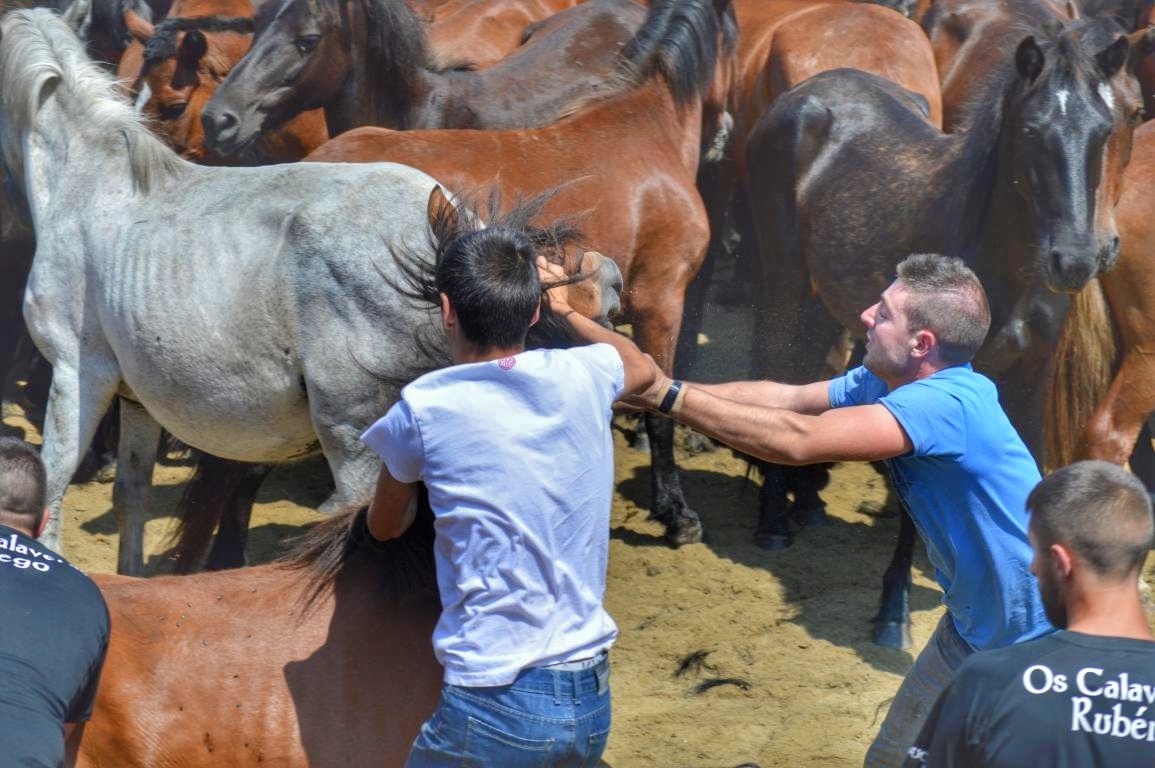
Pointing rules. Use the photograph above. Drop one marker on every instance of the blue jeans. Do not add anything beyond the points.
(546, 718)
(931, 672)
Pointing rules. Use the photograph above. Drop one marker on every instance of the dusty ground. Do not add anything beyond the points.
(791, 626)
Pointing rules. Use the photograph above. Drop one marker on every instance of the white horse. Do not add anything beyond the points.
(242, 309)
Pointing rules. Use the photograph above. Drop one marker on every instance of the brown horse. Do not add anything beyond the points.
(173, 68)
(324, 659)
(1109, 346)
(482, 32)
(367, 62)
(630, 163)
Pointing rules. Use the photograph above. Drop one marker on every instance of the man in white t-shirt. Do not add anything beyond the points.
(516, 451)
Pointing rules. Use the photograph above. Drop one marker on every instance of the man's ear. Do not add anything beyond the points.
(40, 526)
(1062, 560)
(924, 342)
(448, 314)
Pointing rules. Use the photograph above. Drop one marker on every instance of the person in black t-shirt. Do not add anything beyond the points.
(1083, 696)
(53, 624)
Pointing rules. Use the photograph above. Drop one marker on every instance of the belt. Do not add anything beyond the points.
(580, 664)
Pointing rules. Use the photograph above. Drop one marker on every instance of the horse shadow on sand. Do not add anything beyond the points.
(830, 579)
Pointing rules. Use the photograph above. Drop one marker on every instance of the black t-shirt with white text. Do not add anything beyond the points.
(1067, 699)
(53, 639)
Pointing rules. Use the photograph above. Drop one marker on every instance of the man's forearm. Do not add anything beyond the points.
(769, 433)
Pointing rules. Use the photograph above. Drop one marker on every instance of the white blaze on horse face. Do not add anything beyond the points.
(142, 99)
(1107, 96)
(1062, 96)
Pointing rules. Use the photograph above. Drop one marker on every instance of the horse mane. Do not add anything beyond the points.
(404, 566)
(679, 41)
(39, 52)
(163, 46)
(396, 54)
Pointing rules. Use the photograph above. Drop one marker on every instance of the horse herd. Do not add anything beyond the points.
(253, 305)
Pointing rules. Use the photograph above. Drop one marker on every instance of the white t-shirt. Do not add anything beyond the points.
(517, 455)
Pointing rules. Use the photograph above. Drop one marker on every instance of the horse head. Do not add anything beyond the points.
(299, 58)
(1058, 123)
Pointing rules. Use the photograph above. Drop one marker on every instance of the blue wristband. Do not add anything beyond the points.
(671, 396)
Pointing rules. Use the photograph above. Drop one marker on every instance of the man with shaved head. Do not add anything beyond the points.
(53, 624)
(1084, 696)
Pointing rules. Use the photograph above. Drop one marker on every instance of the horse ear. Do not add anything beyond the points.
(192, 49)
(1112, 58)
(441, 211)
(139, 27)
(1073, 10)
(1142, 43)
(1029, 59)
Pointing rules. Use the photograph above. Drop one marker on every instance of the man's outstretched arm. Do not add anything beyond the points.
(859, 433)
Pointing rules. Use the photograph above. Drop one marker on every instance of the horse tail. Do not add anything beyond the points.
(214, 484)
(1084, 364)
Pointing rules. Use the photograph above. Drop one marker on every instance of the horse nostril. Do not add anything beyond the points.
(218, 124)
(1057, 262)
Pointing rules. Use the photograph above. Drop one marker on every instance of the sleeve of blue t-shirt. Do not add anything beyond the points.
(606, 364)
(396, 438)
(857, 386)
(932, 417)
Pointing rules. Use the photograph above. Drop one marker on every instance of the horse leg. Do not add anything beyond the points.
(808, 509)
(892, 622)
(233, 534)
(75, 406)
(139, 439)
(657, 320)
(773, 531)
(1113, 428)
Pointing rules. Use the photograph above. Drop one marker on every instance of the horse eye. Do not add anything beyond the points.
(172, 111)
(1137, 116)
(306, 43)
(1030, 131)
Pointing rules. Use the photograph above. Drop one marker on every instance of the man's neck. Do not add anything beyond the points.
(17, 526)
(1109, 611)
(468, 353)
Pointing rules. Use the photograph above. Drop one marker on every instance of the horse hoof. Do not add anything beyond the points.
(689, 532)
(774, 540)
(809, 517)
(890, 634)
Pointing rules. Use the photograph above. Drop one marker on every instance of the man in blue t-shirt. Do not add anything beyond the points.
(955, 460)
(53, 624)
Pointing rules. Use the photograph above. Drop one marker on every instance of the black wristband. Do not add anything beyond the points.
(671, 396)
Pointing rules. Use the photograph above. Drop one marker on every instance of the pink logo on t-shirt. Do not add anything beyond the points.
(506, 363)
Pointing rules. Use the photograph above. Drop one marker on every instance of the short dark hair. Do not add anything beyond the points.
(1098, 510)
(23, 481)
(490, 276)
(947, 299)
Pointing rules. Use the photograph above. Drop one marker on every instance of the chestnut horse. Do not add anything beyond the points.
(324, 659)
(482, 32)
(847, 177)
(173, 68)
(367, 62)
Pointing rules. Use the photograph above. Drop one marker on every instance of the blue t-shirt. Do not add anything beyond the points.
(965, 485)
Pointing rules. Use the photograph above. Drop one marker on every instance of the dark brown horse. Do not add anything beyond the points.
(367, 62)
(173, 68)
(848, 177)
(324, 659)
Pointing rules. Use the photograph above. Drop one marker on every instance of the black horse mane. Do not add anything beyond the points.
(162, 46)
(404, 566)
(679, 40)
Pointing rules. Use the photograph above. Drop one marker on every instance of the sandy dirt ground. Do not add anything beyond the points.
(790, 630)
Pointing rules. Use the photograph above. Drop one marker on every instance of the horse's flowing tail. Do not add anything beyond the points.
(1084, 364)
